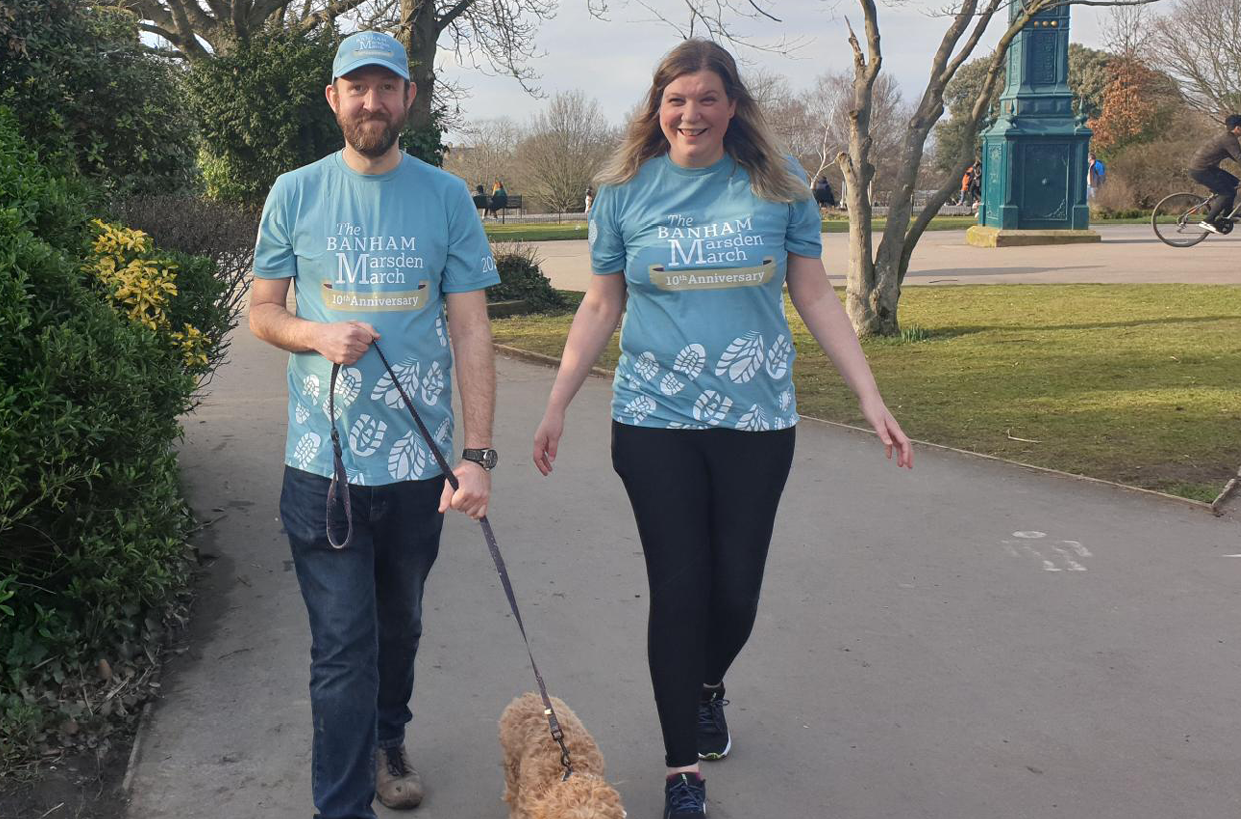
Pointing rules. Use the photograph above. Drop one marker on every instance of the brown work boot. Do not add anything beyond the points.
(397, 784)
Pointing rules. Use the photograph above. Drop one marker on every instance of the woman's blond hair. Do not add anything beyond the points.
(748, 139)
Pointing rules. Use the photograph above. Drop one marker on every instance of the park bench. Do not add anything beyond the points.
(514, 203)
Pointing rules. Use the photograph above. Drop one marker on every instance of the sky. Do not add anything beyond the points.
(613, 60)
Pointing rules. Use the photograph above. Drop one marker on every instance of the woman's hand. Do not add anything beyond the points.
(881, 420)
(547, 440)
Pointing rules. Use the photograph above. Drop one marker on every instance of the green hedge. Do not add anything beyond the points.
(261, 112)
(90, 100)
(92, 523)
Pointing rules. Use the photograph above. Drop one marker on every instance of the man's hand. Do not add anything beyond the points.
(473, 493)
(344, 342)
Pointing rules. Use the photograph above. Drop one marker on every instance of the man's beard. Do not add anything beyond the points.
(366, 139)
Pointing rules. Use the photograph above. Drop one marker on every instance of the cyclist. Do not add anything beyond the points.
(1204, 168)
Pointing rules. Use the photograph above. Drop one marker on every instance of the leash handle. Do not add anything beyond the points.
(338, 475)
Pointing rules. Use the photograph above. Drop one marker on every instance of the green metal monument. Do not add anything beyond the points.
(1034, 155)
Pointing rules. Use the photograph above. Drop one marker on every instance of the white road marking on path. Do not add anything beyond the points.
(1072, 564)
(1081, 550)
(1048, 566)
(1068, 556)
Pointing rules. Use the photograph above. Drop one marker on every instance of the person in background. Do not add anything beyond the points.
(823, 194)
(1204, 169)
(480, 200)
(1096, 173)
(499, 198)
(967, 179)
(590, 199)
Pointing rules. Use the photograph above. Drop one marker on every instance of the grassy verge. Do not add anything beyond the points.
(528, 232)
(1137, 383)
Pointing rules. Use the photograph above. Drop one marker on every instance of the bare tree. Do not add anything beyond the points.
(875, 275)
(1128, 31)
(719, 20)
(564, 148)
(1198, 43)
(786, 112)
(499, 34)
(487, 152)
(197, 29)
(829, 103)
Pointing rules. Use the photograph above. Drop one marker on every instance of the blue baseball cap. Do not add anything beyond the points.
(370, 48)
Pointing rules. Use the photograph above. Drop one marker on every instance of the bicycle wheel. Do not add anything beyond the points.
(1176, 219)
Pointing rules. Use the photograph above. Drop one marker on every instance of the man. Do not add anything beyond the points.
(1204, 168)
(379, 244)
(1096, 172)
(976, 183)
(823, 193)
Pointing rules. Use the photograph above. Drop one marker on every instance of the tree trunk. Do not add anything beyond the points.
(871, 304)
(420, 32)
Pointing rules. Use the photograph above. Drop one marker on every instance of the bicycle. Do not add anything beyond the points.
(1176, 217)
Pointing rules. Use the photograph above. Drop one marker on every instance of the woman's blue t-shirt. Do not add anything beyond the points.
(705, 342)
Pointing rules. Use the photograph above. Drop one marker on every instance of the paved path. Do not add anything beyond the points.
(971, 640)
(1128, 253)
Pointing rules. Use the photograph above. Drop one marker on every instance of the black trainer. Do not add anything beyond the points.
(685, 796)
(714, 741)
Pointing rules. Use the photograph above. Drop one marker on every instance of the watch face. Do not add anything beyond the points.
(486, 458)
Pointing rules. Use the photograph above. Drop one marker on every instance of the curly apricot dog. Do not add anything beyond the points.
(535, 787)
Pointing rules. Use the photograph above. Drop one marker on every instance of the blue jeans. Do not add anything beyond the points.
(365, 607)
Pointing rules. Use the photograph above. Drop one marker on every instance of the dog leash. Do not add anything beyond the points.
(339, 477)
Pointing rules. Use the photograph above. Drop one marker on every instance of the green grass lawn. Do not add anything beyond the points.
(532, 232)
(1139, 384)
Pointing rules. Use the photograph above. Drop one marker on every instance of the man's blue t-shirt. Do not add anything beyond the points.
(705, 341)
(381, 249)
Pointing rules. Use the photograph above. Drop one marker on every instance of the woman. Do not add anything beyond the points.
(499, 198)
(697, 224)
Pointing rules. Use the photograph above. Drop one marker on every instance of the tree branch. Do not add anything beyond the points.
(442, 22)
(328, 13)
(766, 14)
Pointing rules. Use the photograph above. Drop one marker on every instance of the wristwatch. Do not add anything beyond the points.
(486, 458)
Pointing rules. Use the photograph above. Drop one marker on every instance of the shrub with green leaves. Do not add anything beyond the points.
(520, 278)
(91, 100)
(92, 523)
(261, 113)
(221, 231)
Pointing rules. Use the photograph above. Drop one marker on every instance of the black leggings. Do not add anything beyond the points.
(1223, 185)
(705, 504)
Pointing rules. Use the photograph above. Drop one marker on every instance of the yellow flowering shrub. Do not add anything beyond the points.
(141, 285)
(193, 346)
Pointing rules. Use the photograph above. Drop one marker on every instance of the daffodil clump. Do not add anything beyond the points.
(141, 285)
